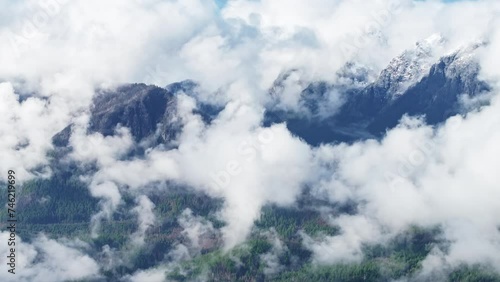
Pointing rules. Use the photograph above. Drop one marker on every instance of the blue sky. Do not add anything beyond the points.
(220, 3)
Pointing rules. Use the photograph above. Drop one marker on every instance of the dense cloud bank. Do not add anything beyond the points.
(55, 54)
(45, 259)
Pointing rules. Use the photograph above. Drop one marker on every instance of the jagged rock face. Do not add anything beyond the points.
(410, 67)
(186, 86)
(139, 107)
(149, 112)
(414, 83)
(436, 96)
(402, 73)
(410, 85)
(146, 110)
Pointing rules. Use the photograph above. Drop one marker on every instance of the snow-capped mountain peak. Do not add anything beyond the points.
(411, 66)
(463, 60)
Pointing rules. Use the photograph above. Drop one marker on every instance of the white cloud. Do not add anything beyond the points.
(146, 218)
(446, 178)
(240, 51)
(196, 229)
(152, 275)
(346, 247)
(247, 165)
(25, 128)
(271, 259)
(49, 260)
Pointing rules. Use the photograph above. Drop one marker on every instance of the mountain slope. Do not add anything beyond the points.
(137, 106)
(437, 95)
(146, 110)
(410, 85)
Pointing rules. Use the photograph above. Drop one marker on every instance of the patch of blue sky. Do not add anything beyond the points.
(220, 3)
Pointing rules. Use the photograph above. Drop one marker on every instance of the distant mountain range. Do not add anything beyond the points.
(416, 83)
(412, 84)
(356, 104)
